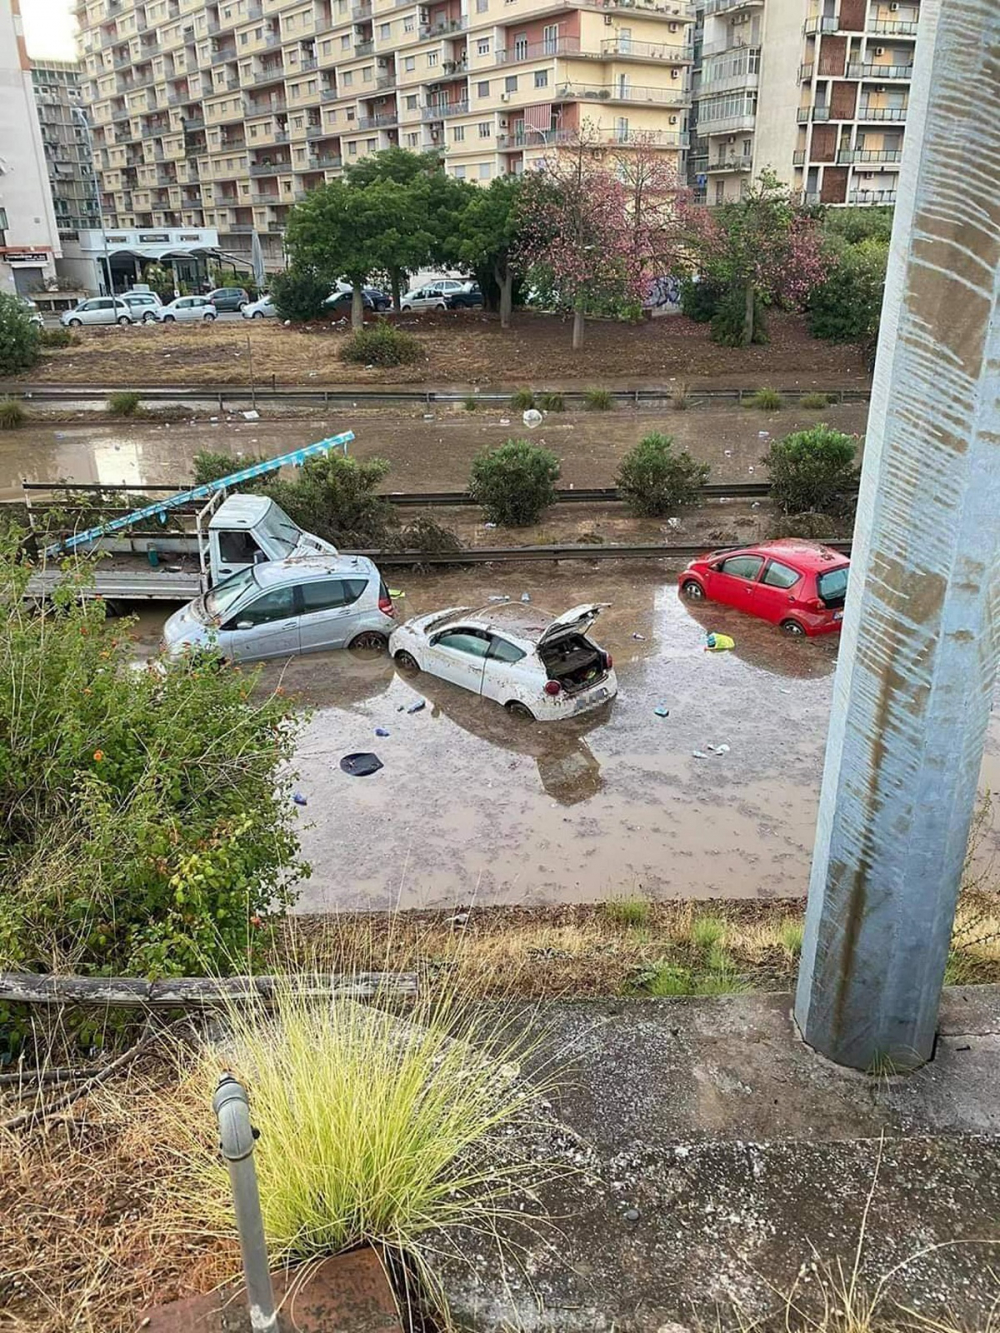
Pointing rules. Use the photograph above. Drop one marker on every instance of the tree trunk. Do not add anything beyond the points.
(505, 280)
(395, 275)
(357, 306)
(577, 330)
(748, 314)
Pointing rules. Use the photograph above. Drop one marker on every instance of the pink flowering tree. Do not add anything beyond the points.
(576, 233)
(760, 248)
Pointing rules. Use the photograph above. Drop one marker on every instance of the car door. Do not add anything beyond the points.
(458, 654)
(100, 311)
(329, 612)
(183, 309)
(505, 674)
(731, 581)
(265, 626)
(777, 592)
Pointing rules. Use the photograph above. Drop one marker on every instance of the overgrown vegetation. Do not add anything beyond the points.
(12, 413)
(815, 401)
(515, 483)
(20, 339)
(598, 400)
(680, 397)
(551, 402)
(847, 305)
(125, 403)
(630, 911)
(299, 294)
(59, 337)
(381, 344)
(144, 813)
(654, 480)
(813, 470)
(521, 400)
(767, 400)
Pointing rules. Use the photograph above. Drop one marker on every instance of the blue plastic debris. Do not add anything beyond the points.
(381, 731)
(661, 711)
(299, 799)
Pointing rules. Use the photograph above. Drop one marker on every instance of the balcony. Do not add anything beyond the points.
(808, 198)
(269, 168)
(265, 198)
(389, 80)
(310, 62)
(619, 92)
(807, 113)
(895, 113)
(329, 95)
(364, 48)
(193, 122)
(532, 138)
(442, 27)
(329, 160)
(315, 132)
(829, 23)
(237, 228)
(727, 124)
(887, 72)
(361, 12)
(724, 6)
(806, 73)
(845, 156)
(557, 46)
(872, 197)
(893, 28)
(444, 109)
(385, 120)
(743, 162)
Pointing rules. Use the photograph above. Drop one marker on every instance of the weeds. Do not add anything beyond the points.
(598, 400)
(522, 400)
(628, 911)
(790, 935)
(58, 338)
(551, 402)
(767, 400)
(125, 404)
(680, 398)
(12, 414)
(816, 401)
(470, 403)
(707, 931)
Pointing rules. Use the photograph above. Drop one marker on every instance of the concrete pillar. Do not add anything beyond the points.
(918, 657)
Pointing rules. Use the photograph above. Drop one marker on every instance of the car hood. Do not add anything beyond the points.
(577, 620)
(188, 625)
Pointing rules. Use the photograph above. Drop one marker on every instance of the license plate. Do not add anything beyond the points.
(595, 696)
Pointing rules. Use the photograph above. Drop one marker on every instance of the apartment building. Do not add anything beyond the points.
(66, 140)
(224, 113)
(815, 89)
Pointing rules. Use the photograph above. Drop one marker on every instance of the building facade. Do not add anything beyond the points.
(29, 238)
(223, 113)
(817, 90)
(66, 139)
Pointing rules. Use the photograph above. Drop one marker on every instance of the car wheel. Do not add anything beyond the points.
(407, 663)
(241, 307)
(124, 319)
(209, 317)
(149, 317)
(441, 306)
(793, 628)
(518, 709)
(75, 323)
(370, 639)
(691, 588)
(168, 319)
(257, 314)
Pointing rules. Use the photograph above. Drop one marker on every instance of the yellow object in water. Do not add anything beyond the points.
(720, 643)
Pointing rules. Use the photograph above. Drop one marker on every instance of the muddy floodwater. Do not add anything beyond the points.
(472, 804)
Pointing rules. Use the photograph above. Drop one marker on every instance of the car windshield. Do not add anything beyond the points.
(279, 528)
(221, 600)
(832, 585)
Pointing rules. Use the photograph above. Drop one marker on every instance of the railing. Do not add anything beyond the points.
(444, 109)
(872, 197)
(806, 72)
(269, 168)
(329, 160)
(822, 23)
(845, 156)
(799, 157)
(532, 138)
(555, 46)
(681, 54)
(897, 113)
(893, 28)
(265, 198)
(871, 71)
(315, 131)
(808, 198)
(237, 228)
(723, 6)
(193, 122)
(621, 93)
(364, 48)
(361, 12)
(727, 124)
(742, 163)
(386, 81)
(330, 95)
(442, 26)
(310, 62)
(382, 121)
(222, 57)
(807, 113)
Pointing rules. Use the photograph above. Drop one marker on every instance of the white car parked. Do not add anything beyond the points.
(536, 665)
(143, 305)
(431, 296)
(98, 310)
(186, 307)
(262, 309)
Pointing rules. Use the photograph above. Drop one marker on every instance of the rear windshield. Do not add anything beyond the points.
(832, 585)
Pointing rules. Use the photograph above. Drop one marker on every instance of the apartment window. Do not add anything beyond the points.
(347, 78)
(482, 6)
(458, 134)
(720, 192)
(541, 78)
(352, 150)
(345, 42)
(300, 154)
(460, 173)
(432, 59)
(326, 48)
(483, 46)
(350, 113)
(371, 145)
(483, 89)
(244, 38)
(510, 83)
(484, 171)
(412, 140)
(366, 74)
(295, 92)
(411, 102)
(485, 129)
(408, 23)
(253, 131)
(621, 127)
(385, 31)
(410, 64)
(291, 22)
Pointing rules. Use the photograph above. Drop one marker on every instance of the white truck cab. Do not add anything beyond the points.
(247, 530)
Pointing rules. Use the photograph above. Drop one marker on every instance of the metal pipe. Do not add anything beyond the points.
(232, 1108)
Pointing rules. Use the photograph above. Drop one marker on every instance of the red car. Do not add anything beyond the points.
(798, 585)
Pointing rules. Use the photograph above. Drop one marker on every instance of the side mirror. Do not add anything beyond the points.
(244, 624)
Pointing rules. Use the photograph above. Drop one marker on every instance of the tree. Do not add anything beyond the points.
(653, 480)
(813, 470)
(299, 294)
(652, 196)
(491, 232)
(847, 304)
(514, 483)
(759, 249)
(161, 280)
(19, 338)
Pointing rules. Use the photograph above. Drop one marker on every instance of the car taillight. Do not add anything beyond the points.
(609, 661)
(552, 687)
(385, 606)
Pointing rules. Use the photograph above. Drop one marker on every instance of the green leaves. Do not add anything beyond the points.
(514, 483)
(813, 470)
(653, 480)
(19, 338)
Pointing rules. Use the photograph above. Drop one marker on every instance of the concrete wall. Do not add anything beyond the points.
(778, 99)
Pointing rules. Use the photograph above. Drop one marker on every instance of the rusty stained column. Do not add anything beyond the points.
(918, 657)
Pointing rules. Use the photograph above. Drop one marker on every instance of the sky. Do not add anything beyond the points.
(48, 29)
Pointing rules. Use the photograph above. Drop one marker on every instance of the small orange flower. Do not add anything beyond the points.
(98, 755)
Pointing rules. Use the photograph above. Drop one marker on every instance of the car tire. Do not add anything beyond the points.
(370, 639)
(793, 628)
(75, 323)
(406, 663)
(123, 319)
(692, 588)
(519, 710)
(257, 314)
(168, 319)
(241, 307)
(209, 317)
(149, 317)
(442, 306)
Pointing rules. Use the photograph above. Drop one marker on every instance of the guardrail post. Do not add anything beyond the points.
(232, 1108)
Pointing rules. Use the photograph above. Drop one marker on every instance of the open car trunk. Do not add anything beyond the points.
(573, 661)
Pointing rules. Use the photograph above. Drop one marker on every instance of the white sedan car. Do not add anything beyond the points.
(262, 309)
(186, 307)
(536, 665)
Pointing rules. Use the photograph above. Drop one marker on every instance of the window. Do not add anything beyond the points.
(502, 651)
(412, 140)
(411, 101)
(244, 38)
(460, 173)
(408, 24)
(720, 192)
(432, 59)
(472, 641)
(742, 566)
(510, 83)
(326, 594)
(550, 38)
(410, 64)
(541, 78)
(276, 605)
(778, 575)
(483, 89)
(483, 46)
(484, 171)
(347, 78)
(458, 134)
(385, 31)
(366, 74)
(482, 6)
(485, 129)
(345, 42)
(832, 586)
(521, 46)
(349, 113)
(352, 150)
(371, 145)
(237, 548)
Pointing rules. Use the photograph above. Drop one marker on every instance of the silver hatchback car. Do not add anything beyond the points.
(284, 607)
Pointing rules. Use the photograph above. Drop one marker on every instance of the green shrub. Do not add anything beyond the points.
(124, 404)
(210, 466)
(146, 814)
(700, 300)
(337, 499)
(628, 911)
(666, 979)
(19, 338)
(768, 400)
(847, 305)
(551, 402)
(522, 400)
(815, 401)
(812, 470)
(471, 404)
(381, 344)
(653, 480)
(299, 294)
(598, 400)
(730, 317)
(57, 338)
(515, 483)
(426, 537)
(12, 413)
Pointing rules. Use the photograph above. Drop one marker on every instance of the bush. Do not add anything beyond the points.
(768, 400)
(552, 402)
(146, 814)
(57, 338)
(815, 401)
(124, 404)
(729, 319)
(514, 483)
(847, 305)
(813, 470)
(19, 338)
(381, 344)
(680, 398)
(299, 293)
(598, 400)
(700, 300)
(12, 414)
(522, 400)
(653, 480)
(426, 537)
(336, 498)
(210, 466)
